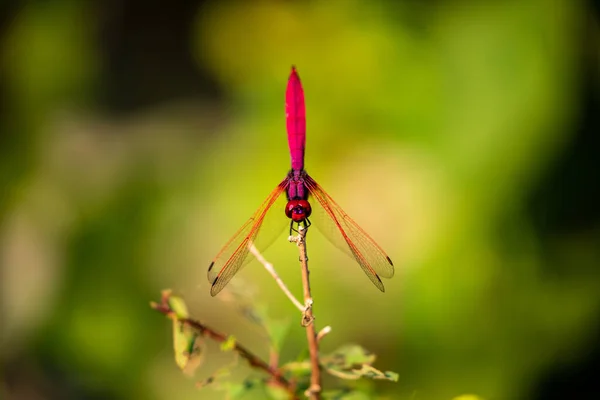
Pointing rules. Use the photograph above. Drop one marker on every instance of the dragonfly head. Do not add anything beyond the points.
(298, 210)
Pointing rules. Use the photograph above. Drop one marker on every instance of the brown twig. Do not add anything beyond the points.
(322, 333)
(254, 361)
(308, 318)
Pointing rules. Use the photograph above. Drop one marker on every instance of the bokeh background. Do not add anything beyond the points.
(137, 136)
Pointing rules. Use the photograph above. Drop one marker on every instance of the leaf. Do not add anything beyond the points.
(277, 392)
(367, 371)
(237, 390)
(187, 345)
(347, 356)
(178, 306)
(297, 368)
(228, 344)
(354, 362)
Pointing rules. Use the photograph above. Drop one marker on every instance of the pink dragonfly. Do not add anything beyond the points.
(265, 225)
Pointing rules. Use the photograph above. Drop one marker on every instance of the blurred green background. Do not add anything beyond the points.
(137, 136)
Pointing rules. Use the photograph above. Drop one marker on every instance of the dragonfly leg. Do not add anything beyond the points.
(305, 224)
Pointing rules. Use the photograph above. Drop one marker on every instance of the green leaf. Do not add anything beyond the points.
(187, 345)
(276, 392)
(354, 362)
(367, 371)
(468, 397)
(348, 356)
(297, 368)
(178, 306)
(237, 390)
(228, 344)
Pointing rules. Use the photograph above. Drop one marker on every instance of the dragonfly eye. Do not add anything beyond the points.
(298, 210)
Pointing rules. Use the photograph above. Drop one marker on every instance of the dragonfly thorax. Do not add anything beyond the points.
(298, 210)
(296, 187)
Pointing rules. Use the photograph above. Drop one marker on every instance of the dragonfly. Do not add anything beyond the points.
(302, 192)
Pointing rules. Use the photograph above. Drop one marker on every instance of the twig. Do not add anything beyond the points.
(322, 333)
(269, 267)
(206, 331)
(314, 390)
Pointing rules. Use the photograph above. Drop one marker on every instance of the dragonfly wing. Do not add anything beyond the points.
(234, 255)
(346, 235)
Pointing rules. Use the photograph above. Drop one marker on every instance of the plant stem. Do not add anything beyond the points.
(314, 390)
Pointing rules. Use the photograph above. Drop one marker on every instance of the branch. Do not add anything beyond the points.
(314, 390)
(322, 333)
(206, 331)
(269, 267)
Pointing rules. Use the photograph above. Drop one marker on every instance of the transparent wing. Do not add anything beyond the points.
(269, 220)
(346, 235)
